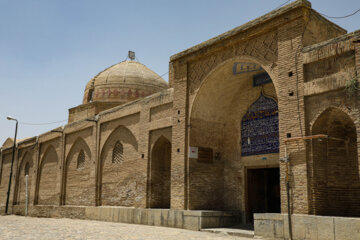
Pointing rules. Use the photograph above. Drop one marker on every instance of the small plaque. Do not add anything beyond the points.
(244, 67)
(205, 155)
(193, 152)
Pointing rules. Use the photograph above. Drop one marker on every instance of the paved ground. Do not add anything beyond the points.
(18, 227)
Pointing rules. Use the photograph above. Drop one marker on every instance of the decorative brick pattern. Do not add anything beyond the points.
(263, 48)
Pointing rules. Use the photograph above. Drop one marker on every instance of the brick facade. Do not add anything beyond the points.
(136, 154)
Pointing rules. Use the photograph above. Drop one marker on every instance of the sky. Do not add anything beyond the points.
(50, 49)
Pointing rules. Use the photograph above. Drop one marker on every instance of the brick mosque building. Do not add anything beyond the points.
(270, 104)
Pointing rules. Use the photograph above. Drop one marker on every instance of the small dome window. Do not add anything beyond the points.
(81, 160)
(90, 95)
(118, 150)
(27, 169)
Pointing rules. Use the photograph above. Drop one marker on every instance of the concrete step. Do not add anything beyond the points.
(231, 231)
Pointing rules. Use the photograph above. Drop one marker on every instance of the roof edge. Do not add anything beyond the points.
(257, 21)
(355, 34)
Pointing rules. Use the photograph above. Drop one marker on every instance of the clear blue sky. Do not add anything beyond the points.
(50, 49)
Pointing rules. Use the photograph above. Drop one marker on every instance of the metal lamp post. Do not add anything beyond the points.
(12, 163)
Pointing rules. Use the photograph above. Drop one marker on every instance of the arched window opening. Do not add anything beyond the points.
(27, 169)
(81, 160)
(90, 95)
(118, 150)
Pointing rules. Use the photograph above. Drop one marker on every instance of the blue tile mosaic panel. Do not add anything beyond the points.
(260, 128)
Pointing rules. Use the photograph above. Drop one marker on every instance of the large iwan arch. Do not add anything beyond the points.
(225, 176)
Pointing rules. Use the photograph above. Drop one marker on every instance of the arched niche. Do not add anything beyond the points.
(78, 185)
(119, 180)
(25, 168)
(160, 169)
(47, 194)
(335, 182)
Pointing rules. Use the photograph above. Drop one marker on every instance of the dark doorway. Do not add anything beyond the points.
(263, 191)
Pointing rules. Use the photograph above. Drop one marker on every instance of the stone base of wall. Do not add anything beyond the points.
(187, 219)
(304, 227)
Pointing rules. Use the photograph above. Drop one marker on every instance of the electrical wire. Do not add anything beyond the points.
(337, 17)
(349, 15)
(48, 123)
(164, 74)
(283, 4)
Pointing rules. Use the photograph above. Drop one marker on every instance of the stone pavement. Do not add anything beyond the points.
(24, 228)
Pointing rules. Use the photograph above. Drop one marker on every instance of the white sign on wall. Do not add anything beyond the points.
(193, 152)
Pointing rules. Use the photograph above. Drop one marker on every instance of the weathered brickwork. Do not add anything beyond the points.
(135, 153)
(26, 167)
(48, 176)
(79, 184)
(121, 180)
(5, 173)
(160, 112)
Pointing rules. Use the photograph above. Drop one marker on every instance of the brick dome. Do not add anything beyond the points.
(123, 82)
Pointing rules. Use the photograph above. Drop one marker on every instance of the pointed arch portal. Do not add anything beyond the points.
(235, 114)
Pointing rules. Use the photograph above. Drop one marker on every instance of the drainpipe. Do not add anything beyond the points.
(286, 160)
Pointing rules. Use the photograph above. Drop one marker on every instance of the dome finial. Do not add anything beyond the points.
(131, 55)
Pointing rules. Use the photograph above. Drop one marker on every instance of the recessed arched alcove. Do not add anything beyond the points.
(336, 183)
(25, 168)
(160, 164)
(78, 185)
(47, 194)
(120, 179)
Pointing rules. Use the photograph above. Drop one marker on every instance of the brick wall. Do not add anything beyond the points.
(48, 174)
(27, 159)
(120, 182)
(5, 173)
(80, 184)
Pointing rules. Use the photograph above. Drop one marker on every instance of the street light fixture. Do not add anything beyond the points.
(12, 163)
